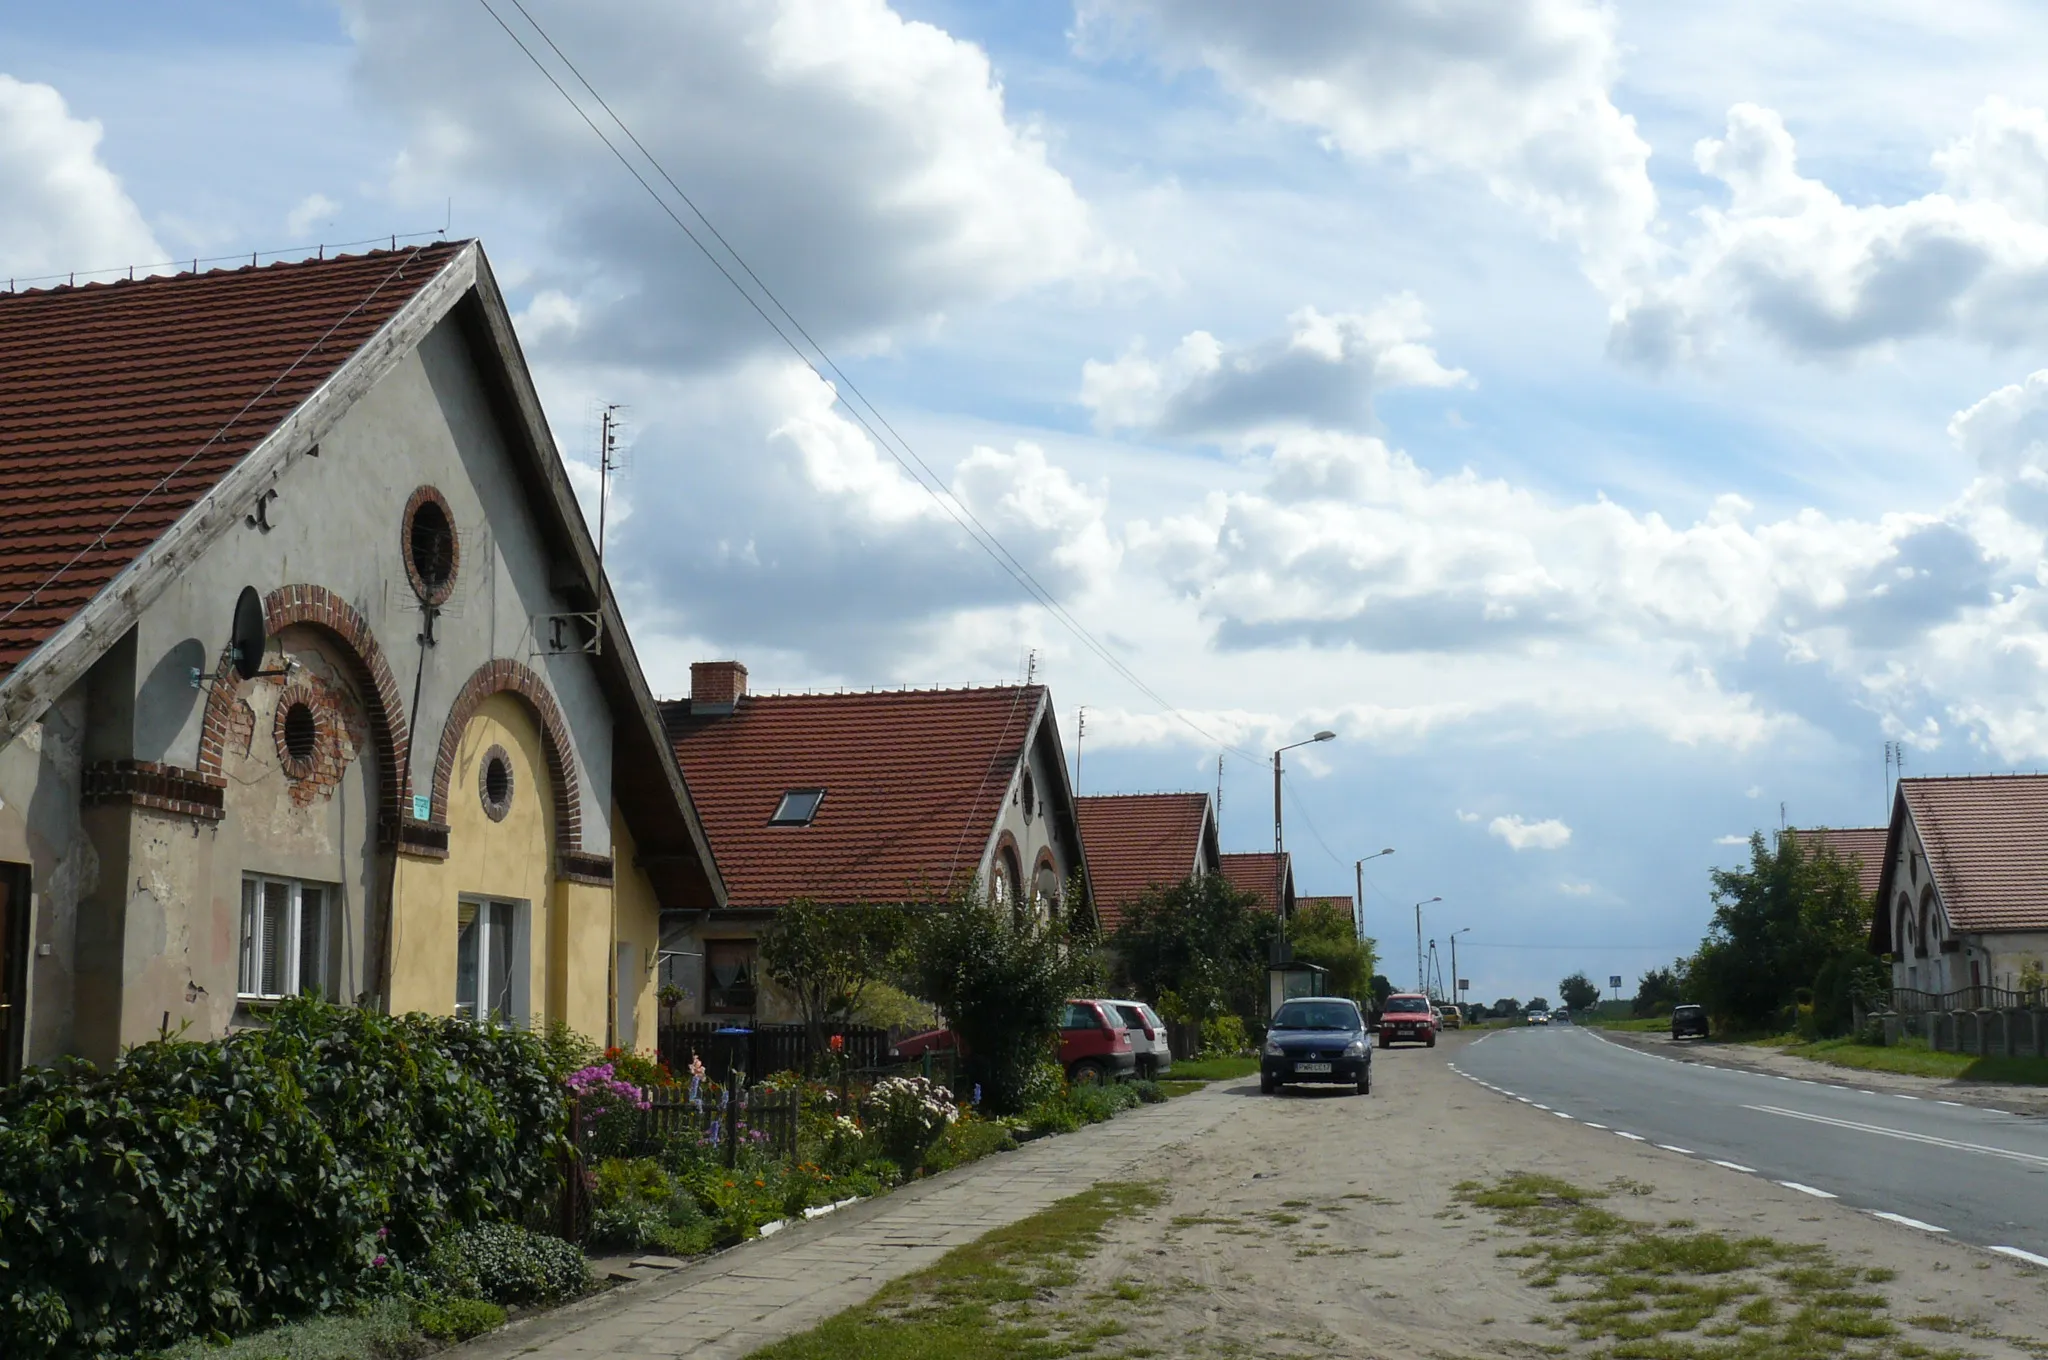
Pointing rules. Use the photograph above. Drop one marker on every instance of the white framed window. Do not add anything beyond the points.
(490, 960)
(285, 946)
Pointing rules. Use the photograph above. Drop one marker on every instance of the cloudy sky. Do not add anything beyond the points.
(1614, 422)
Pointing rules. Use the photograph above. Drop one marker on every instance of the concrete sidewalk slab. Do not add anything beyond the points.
(730, 1304)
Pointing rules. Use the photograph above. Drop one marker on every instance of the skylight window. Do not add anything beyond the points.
(797, 808)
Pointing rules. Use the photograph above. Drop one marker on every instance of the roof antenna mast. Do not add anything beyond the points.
(1080, 734)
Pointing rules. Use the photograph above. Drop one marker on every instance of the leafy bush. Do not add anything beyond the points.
(1148, 1092)
(213, 1188)
(608, 1107)
(1224, 1037)
(1095, 1104)
(639, 1206)
(506, 1263)
(966, 1140)
(1001, 977)
(459, 1319)
(906, 1115)
(383, 1331)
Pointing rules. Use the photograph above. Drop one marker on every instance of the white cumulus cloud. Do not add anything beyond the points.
(62, 209)
(1323, 372)
(1521, 834)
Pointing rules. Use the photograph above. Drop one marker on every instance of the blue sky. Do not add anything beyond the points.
(1613, 421)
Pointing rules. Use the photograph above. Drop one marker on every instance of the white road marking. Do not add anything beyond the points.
(1539, 1104)
(1668, 1148)
(1560, 1114)
(2026, 1256)
(1632, 1137)
(1952, 1104)
(1591, 1125)
(1907, 1222)
(2029, 1158)
(1736, 1166)
(1861, 1092)
(1900, 1095)
(1525, 1100)
(1808, 1190)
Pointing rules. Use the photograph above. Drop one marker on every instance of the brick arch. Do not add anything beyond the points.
(509, 677)
(390, 736)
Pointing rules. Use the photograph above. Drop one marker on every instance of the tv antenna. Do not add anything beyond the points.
(583, 630)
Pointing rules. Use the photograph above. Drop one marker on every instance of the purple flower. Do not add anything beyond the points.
(383, 1233)
(381, 1259)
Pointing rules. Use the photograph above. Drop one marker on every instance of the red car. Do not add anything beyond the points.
(1407, 1018)
(1093, 1045)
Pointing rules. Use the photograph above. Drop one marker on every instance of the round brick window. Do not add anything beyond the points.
(298, 735)
(494, 783)
(433, 551)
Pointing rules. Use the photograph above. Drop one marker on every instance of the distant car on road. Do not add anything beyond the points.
(1560, 1017)
(1407, 1018)
(1450, 1018)
(1147, 1033)
(1536, 1018)
(1317, 1038)
(1689, 1021)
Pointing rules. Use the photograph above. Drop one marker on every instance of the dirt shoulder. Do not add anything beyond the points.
(2028, 1100)
(1331, 1225)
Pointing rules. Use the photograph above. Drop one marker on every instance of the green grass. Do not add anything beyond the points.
(1174, 1086)
(1651, 1293)
(976, 1302)
(1914, 1058)
(1655, 1025)
(1214, 1069)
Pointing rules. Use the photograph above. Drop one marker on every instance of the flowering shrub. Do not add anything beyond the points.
(609, 1108)
(906, 1115)
(649, 1074)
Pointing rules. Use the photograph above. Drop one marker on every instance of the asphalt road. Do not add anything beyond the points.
(1925, 1164)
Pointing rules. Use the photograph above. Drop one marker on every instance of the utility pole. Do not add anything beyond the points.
(1279, 861)
(1454, 965)
(1080, 735)
(1421, 978)
(1358, 903)
(607, 464)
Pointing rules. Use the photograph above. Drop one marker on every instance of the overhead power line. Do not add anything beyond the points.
(846, 391)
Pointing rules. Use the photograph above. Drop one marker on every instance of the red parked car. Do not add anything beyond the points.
(1407, 1018)
(1093, 1045)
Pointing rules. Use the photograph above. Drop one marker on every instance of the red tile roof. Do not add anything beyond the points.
(913, 783)
(1254, 874)
(1987, 847)
(1342, 903)
(121, 404)
(1136, 841)
(1862, 846)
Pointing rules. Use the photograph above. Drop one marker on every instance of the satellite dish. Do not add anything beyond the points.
(248, 636)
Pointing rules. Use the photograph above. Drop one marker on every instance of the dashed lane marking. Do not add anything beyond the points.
(1632, 1137)
(1903, 1221)
(1952, 1104)
(1591, 1125)
(1560, 1114)
(2028, 1158)
(2019, 1255)
(1809, 1190)
(1901, 1095)
(1735, 1166)
(1687, 1152)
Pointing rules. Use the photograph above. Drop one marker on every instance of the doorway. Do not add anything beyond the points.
(14, 917)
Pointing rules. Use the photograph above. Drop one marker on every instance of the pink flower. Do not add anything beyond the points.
(381, 1259)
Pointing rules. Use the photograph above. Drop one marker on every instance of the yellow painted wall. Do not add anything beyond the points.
(514, 859)
(639, 924)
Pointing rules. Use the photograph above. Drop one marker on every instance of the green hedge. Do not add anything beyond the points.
(210, 1188)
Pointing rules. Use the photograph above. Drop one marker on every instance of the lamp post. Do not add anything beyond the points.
(1358, 914)
(1456, 997)
(1421, 983)
(1279, 863)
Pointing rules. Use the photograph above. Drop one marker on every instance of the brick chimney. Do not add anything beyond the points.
(716, 686)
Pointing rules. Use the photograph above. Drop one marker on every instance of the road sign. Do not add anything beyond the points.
(1614, 979)
(1464, 984)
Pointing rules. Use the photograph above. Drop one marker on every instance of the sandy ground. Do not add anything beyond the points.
(1328, 1225)
(2030, 1100)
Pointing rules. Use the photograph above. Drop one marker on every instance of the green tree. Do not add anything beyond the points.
(1537, 1003)
(1001, 978)
(1326, 934)
(827, 958)
(1202, 940)
(1506, 1008)
(1776, 922)
(1578, 992)
(1381, 990)
(1657, 991)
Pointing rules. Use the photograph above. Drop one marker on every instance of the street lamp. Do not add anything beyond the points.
(1358, 914)
(1279, 870)
(1421, 983)
(1461, 930)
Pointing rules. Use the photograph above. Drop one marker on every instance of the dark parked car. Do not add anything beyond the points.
(1317, 1038)
(1689, 1020)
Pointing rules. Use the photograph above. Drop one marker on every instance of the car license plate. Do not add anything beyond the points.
(1311, 1067)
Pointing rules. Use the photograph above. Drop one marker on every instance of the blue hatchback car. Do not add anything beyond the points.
(1320, 1039)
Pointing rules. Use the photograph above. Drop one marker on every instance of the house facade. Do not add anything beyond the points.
(298, 689)
(1137, 842)
(879, 797)
(1962, 895)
